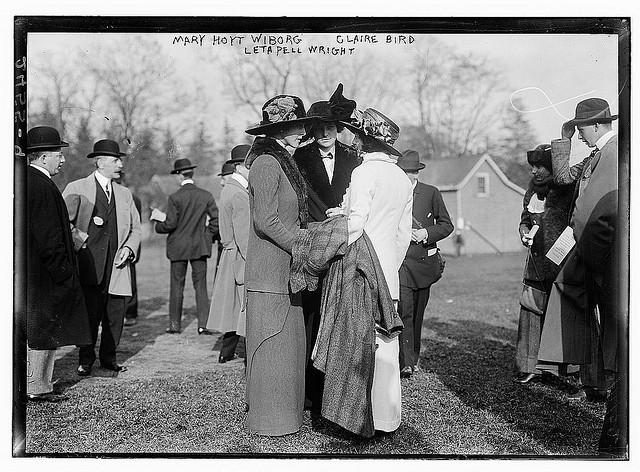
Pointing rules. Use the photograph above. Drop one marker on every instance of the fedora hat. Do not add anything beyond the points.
(410, 161)
(43, 138)
(182, 164)
(240, 151)
(278, 112)
(106, 147)
(373, 125)
(590, 111)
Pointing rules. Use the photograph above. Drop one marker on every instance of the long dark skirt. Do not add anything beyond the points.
(276, 345)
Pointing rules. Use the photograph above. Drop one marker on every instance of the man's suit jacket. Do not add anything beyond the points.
(419, 268)
(56, 312)
(190, 237)
(325, 194)
(80, 197)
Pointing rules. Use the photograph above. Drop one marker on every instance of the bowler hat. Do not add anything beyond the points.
(278, 112)
(106, 147)
(182, 164)
(410, 161)
(42, 138)
(240, 151)
(590, 111)
(229, 167)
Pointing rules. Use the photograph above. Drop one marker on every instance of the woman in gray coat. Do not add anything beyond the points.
(275, 332)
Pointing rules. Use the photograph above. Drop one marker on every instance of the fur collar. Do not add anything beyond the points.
(269, 146)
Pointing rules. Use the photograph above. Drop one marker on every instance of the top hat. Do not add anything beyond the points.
(182, 164)
(410, 161)
(590, 111)
(278, 112)
(106, 147)
(229, 167)
(240, 152)
(541, 156)
(43, 138)
(371, 124)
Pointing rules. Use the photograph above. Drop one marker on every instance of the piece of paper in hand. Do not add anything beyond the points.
(562, 246)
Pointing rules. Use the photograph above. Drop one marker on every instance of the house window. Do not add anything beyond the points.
(482, 180)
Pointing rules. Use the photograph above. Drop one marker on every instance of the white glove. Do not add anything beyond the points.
(158, 215)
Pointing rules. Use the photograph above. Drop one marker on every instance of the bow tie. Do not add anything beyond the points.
(328, 156)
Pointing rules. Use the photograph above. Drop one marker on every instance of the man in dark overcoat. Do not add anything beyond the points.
(422, 266)
(326, 165)
(106, 231)
(56, 312)
(191, 223)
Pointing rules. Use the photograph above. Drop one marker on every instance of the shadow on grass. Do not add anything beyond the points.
(475, 361)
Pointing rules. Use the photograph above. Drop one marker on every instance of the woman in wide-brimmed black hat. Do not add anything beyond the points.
(275, 332)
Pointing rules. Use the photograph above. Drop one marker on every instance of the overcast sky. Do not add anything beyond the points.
(549, 73)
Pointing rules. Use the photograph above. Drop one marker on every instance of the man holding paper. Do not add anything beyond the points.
(588, 277)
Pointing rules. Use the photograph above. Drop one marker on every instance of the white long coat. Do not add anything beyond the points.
(379, 200)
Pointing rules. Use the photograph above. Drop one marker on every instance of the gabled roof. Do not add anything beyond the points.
(453, 174)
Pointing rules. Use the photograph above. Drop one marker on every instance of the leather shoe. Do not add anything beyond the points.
(114, 366)
(130, 321)
(205, 331)
(172, 331)
(83, 370)
(525, 378)
(47, 397)
(406, 372)
(223, 359)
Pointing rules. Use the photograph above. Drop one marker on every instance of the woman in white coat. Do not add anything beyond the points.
(379, 201)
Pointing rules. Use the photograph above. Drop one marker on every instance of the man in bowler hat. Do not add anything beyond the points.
(191, 222)
(590, 272)
(326, 165)
(106, 231)
(422, 266)
(56, 312)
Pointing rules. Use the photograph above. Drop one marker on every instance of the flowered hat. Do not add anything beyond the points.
(279, 110)
(371, 124)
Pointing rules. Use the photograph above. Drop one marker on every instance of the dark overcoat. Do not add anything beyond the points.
(325, 194)
(421, 266)
(190, 237)
(56, 311)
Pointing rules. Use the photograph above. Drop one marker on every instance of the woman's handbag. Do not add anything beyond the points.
(533, 299)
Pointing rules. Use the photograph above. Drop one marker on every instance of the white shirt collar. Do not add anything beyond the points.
(102, 180)
(332, 151)
(185, 182)
(239, 178)
(604, 139)
(41, 169)
(379, 156)
(415, 184)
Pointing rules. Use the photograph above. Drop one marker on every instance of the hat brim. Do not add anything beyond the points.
(387, 147)
(44, 147)
(268, 128)
(177, 171)
(591, 121)
(106, 153)
(413, 169)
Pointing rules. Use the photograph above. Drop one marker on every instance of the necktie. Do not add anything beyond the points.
(328, 156)
(107, 190)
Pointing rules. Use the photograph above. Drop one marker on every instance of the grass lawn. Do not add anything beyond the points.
(176, 399)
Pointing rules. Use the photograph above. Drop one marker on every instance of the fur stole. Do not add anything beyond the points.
(265, 145)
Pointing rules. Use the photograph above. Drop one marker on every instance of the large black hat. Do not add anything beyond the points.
(278, 111)
(106, 147)
(337, 109)
(43, 138)
(590, 111)
(410, 161)
(182, 164)
(229, 167)
(541, 156)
